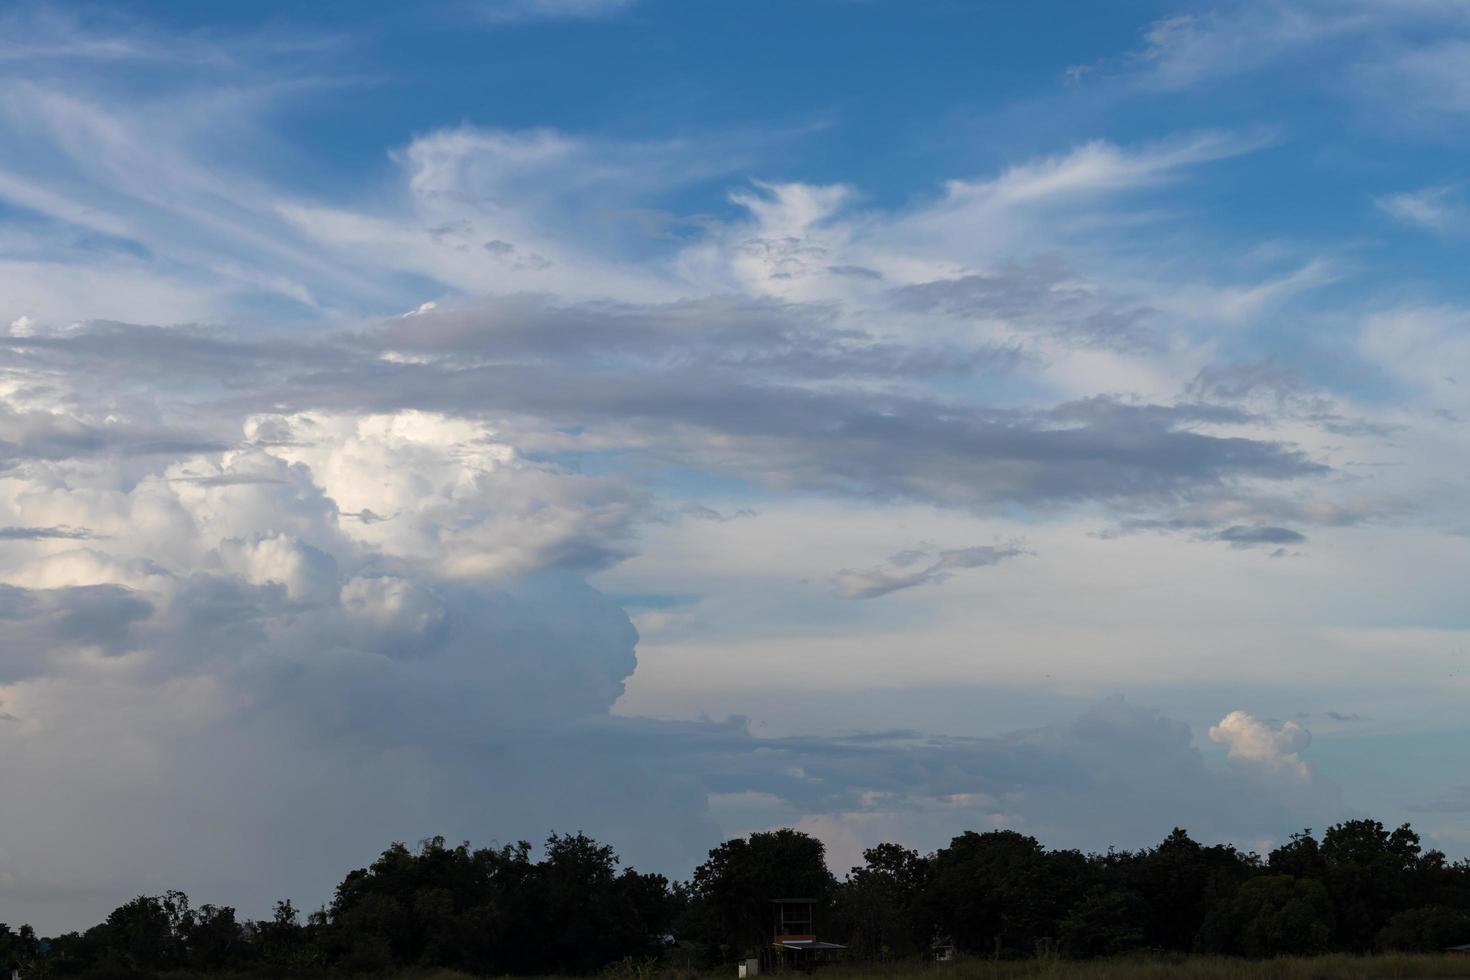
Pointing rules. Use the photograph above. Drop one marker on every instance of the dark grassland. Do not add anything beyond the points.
(1401, 966)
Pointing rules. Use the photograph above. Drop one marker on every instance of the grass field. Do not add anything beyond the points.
(1398, 967)
(1336, 967)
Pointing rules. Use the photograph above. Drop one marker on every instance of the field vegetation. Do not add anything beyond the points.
(1338, 966)
(1332, 966)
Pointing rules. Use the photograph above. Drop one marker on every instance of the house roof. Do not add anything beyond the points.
(807, 944)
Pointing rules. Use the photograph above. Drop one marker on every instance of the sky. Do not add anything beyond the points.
(670, 419)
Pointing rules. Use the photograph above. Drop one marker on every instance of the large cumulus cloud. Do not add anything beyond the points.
(227, 645)
(258, 664)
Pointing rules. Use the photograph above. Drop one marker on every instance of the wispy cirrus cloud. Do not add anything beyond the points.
(523, 10)
(1190, 48)
(1436, 209)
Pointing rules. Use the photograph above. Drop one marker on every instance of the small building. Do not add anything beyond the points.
(1459, 950)
(794, 942)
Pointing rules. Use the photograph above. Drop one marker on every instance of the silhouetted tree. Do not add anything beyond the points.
(149, 933)
(1271, 915)
(730, 894)
(880, 906)
(1002, 887)
(1182, 881)
(1103, 922)
(1369, 874)
(213, 940)
(496, 911)
(1427, 929)
(1301, 857)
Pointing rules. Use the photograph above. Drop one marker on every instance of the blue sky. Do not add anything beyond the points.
(882, 418)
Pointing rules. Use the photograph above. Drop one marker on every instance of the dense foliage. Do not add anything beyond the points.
(496, 911)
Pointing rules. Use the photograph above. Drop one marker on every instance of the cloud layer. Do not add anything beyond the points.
(332, 487)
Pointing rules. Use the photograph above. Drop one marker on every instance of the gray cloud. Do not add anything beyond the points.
(775, 393)
(50, 436)
(1457, 800)
(855, 272)
(1043, 297)
(1227, 515)
(453, 693)
(54, 533)
(1287, 394)
(230, 480)
(908, 569)
(700, 512)
(1241, 536)
(736, 335)
(38, 625)
(1237, 382)
(839, 438)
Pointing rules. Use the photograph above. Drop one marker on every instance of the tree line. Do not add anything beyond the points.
(574, 910)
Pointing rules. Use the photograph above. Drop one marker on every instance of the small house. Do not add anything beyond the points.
(794, 942)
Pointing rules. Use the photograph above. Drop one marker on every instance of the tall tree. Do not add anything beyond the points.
(1369, 872)
(1182, 880)
(1271, 915)
(1002, 888)
(880, 904)
(732, 891)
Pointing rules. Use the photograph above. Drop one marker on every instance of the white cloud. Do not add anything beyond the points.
(487, 210)
(1433, 74)
(1422, 347)
(1401, 64)
(1188, 49)
(451, 493)
(1277, 749)
(1097, 168)
(1239, 304)
(1436, 209)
